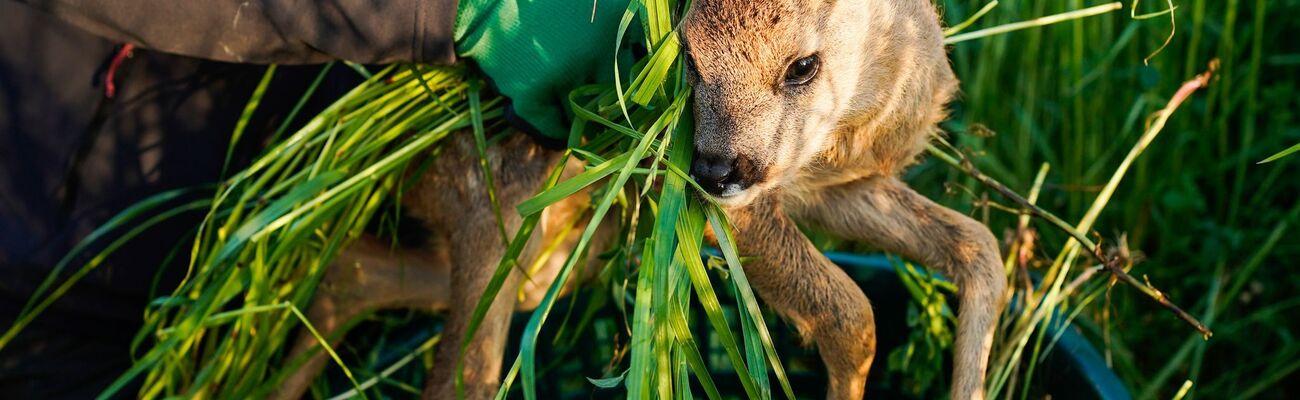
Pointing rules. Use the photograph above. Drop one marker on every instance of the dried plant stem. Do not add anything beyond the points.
(1114, 265)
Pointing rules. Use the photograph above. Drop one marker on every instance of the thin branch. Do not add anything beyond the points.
(1112, 264)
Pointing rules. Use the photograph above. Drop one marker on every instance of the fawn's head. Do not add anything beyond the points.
(778, 82)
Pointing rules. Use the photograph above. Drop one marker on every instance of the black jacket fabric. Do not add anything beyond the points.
(271, 31)
(70, 158)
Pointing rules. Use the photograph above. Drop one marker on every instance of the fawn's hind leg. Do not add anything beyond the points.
(887, 213)
(449, 272)
(453, 199)
(368, 275)
(805, 288)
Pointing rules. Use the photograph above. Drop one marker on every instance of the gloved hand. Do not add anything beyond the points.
(537, 51)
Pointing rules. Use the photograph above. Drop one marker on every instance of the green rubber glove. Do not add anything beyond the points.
(537, 51)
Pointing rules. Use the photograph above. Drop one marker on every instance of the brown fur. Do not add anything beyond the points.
(827, 153)
(441, 277)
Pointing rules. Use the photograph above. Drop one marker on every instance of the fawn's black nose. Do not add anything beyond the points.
(715, 174)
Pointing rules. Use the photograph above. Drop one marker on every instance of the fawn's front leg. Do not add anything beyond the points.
(887, 213)
(805, 288)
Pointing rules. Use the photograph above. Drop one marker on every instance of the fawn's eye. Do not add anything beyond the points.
(801, 71)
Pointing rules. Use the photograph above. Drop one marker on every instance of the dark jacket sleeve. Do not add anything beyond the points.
(272, 31)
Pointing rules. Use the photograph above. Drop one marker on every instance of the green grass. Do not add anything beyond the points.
(648, 120)
(1214, 229)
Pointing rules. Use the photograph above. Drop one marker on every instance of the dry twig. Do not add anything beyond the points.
(1115, 263)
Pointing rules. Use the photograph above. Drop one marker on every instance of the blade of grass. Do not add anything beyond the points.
(726, 242)
(1034, 23)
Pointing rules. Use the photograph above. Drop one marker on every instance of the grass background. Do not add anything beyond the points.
(1216, 230)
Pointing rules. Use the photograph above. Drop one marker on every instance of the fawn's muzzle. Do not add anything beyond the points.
(719, 175)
